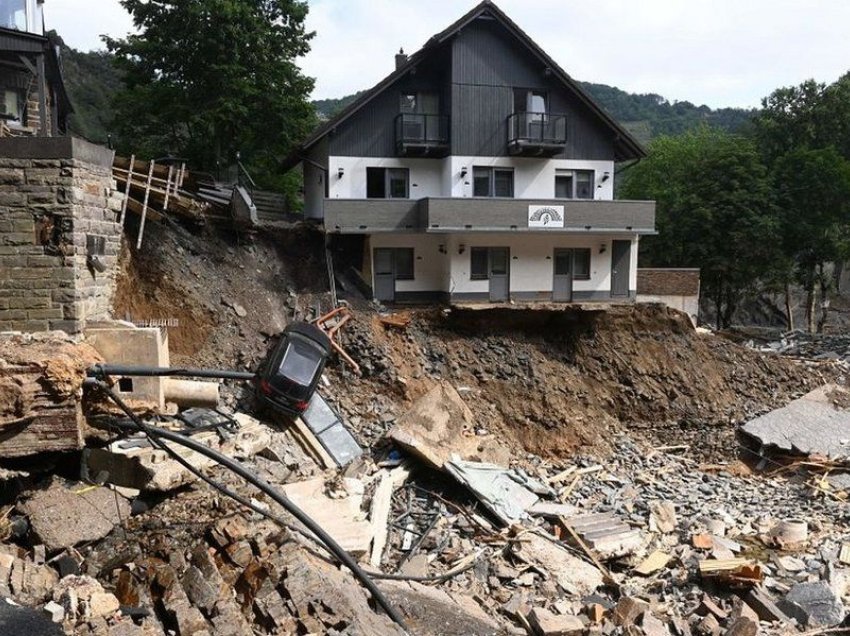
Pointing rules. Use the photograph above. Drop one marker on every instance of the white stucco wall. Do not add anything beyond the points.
(430, 267)
(426, 175)
(531, 260)
(533, 178)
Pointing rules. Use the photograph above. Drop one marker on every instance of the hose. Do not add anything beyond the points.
(239, 469)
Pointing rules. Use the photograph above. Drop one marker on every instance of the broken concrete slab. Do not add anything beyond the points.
(134, 463)
(810, 425)
(64, 515)
(342, 518)
(574, 575)
(606, 534)
(814, 604)
(439, 427)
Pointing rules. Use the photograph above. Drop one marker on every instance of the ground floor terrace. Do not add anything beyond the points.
(500, 267)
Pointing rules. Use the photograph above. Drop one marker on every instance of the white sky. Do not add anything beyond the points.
(716, 52)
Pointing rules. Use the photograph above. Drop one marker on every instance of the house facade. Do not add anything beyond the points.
(478, 171)
(33, 100)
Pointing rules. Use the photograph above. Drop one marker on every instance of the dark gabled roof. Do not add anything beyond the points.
(626, 146)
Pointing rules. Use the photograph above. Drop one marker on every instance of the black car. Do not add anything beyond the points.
(292, 370)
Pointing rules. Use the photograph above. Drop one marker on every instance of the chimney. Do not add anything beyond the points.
(400, 59)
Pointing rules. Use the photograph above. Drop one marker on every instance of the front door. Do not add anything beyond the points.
(562, 285)
(621, 264)
(384, 275)
(499, 264)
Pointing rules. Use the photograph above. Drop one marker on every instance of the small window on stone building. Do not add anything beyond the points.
(125, 385)
(12, 105)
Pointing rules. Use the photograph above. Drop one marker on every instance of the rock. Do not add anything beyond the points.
(708, 626)
(743, 626)
(16, 620)
(239, 310)
(103, 604)
(662, 517)
(63, 516)
(653, 626)
(813, 604)
(545, 623)
(628, 610)
(416, 566)
(54, 611)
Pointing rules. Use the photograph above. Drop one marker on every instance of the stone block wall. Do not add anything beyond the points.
(58, 211)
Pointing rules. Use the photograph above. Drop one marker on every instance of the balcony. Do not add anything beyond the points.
(435, 215)
(368, 216)
(536, 134)
(420, 135)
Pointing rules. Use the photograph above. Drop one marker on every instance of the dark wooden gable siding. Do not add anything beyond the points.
(487, 64)
(371, 131)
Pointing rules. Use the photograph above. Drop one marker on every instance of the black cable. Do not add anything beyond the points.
(101, 371)
(262, 485)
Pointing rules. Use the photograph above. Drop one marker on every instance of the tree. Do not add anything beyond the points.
(207, 79)
(714, 211)
(813, 196)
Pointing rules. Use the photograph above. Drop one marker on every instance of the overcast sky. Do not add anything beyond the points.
(716, 52)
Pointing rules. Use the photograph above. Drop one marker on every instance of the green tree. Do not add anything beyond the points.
(207, 79)
(813, 196)
(714, 211)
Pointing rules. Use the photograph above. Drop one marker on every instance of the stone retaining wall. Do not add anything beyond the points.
(58, 211)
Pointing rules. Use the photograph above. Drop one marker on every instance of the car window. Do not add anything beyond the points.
(300, 362)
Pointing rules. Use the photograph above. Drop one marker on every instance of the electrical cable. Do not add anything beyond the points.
(239, 469)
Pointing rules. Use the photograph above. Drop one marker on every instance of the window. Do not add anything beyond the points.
(530, 101)
(581, 264)
(479, 265)
(299, 363)
(12, 105)
(492, 182)
(387, 183)
(403, 258)
(13, 14)
(584, 184)
(574, 184)
(423, 103)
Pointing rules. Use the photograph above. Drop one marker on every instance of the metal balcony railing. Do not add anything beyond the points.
(537, 130)
(419, 129)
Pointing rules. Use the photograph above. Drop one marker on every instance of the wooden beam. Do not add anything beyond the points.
(145, 207)
(127, 189)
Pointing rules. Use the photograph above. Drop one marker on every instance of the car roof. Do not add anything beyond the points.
(311, 332)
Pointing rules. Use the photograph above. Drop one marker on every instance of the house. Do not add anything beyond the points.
(478, 171)
(34, 101)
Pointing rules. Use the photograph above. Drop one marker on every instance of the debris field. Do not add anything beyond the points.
(509, 470)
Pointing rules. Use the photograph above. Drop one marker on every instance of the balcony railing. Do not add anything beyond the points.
(536, 133)
(420, 134)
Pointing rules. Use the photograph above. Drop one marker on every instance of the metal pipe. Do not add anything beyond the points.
(106, 370)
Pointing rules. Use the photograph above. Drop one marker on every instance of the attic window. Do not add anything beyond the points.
(13, 14)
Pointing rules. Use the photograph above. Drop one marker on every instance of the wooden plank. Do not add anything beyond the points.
(379, 512)
(145, 207)
(127, 189)
(311, 444)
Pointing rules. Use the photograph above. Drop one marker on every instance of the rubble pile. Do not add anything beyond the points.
(592, 372)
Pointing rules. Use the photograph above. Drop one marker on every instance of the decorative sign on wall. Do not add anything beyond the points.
(546, 216)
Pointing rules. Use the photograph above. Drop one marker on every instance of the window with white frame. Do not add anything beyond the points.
(574, 184)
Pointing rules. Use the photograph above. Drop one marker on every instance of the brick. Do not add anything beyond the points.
(45, 314)
(11, 177)
(43, 261)
(12, 198)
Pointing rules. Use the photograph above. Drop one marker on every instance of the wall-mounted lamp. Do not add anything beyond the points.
(606, 176)
(461, 248)
(603, 248)
(340, 172)
(443, 249)
(463, 172)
